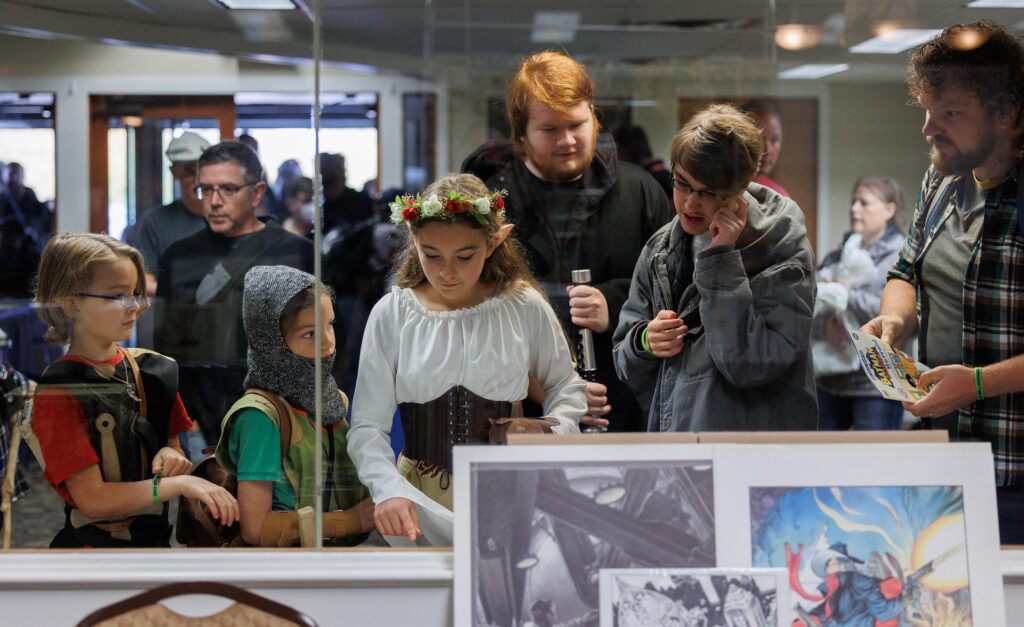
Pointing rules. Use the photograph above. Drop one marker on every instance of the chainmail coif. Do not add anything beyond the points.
(272, 365)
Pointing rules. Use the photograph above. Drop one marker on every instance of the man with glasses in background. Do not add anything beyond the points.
(200, 282)
(715, 334)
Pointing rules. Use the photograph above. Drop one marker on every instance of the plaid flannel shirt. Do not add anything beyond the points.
(993, 306)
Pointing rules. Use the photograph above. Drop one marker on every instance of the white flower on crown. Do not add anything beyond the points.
(432, 206)
(396, 212)
(483, 205)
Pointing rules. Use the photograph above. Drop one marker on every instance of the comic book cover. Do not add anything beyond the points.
(893, 372)
(884, 556)
(694, 597)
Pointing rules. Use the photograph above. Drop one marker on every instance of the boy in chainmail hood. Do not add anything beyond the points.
(278, 312)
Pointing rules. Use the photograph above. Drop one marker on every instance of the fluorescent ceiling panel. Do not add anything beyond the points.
(996, 4)
(266, 5)
(811, 71)
(895, 41)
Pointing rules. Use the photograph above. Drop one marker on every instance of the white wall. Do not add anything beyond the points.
(74, 70)
(872, 131)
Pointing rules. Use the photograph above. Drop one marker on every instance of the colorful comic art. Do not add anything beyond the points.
(873, 556)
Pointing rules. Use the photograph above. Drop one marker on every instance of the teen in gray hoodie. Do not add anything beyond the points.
(715, 335)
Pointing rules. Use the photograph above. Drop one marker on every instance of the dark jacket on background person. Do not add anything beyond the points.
(31, 211)
(160, 227)
(351, 207)
(202, 328)
(618, 206)
(746, 359)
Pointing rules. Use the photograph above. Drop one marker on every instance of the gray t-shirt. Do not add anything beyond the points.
(163, 226)
(942, 276)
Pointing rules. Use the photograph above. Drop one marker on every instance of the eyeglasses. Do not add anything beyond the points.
(226, 191)
(703, 194)
(125, 300)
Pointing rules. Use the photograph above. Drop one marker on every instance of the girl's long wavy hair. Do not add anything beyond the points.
(506, 268)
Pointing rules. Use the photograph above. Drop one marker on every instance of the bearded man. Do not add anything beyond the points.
(575, 205)
(958, 280)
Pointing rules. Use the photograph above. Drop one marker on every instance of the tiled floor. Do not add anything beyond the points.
(37, 516)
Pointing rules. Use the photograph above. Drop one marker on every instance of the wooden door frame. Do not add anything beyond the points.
(220, 108)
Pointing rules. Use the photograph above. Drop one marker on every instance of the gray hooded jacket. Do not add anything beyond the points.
(746, 359)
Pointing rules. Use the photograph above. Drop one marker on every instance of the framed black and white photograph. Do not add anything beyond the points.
(693, 597)
(536, 525)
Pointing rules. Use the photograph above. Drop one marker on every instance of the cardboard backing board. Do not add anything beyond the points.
(738, 437)
(603, 438)
(823, 437)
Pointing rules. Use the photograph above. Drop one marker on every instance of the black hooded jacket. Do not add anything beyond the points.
(618, 207)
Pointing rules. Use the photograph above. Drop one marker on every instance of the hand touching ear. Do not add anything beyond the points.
(728, 222)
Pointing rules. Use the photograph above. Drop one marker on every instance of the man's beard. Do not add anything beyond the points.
(962, 162)
(561, 175)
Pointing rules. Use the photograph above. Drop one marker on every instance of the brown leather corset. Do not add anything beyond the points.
(456, 417)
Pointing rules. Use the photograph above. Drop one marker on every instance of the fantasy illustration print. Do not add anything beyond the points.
(866, 556)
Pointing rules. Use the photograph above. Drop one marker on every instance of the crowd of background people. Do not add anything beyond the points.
(704, 292)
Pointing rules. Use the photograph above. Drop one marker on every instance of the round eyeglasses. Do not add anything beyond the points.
(703, 194)
(125, 300)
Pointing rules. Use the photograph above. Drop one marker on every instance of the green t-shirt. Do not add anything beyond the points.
(260, 458)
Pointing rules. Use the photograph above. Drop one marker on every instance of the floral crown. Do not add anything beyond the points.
(411, 209)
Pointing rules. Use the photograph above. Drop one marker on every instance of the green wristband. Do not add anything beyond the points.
(156, 487)
(644, 343)
(977, 384)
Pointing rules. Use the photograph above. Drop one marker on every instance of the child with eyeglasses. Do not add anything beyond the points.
(107, 418)
(715, 334)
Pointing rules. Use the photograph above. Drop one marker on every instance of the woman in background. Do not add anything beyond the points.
(851, 279)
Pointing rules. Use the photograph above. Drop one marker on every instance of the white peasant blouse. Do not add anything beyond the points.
(413, 355)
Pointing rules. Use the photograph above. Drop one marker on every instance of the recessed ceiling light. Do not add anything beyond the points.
(797, 36)
(810, 71)
(996, 4)
(895, 40)
(265, 5)
(555, 27)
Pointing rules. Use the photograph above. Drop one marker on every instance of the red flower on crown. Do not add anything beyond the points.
(455, 205)
(411, 214)
(499, 203)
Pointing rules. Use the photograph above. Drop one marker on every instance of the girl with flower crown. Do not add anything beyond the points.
(453, 345)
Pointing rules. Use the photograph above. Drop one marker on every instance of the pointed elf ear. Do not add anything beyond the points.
(503, 232)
